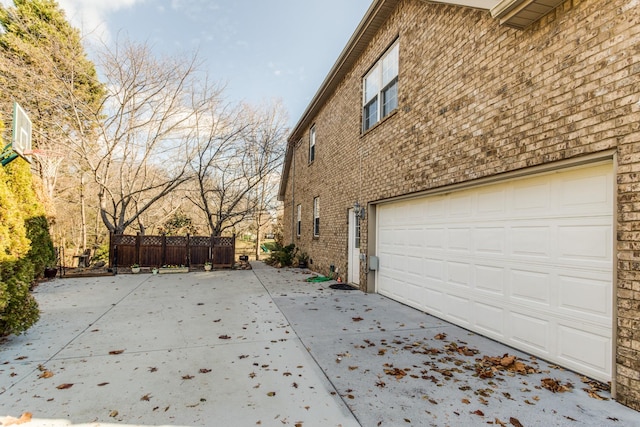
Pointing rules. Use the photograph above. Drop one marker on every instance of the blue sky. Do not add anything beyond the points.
(262, 49)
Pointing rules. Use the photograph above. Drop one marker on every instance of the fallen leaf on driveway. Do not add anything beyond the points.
(10, 421)
(45, 374)
(555, 386)
(114, 352)
(594, 395)
(396, 372)
(204, 371)
(271, 393)
(478, 412)
(102, 384)
(113, 414)
(146, 397)
(224, 337)
(187, 377)
(64, 386)
(357, 319)
(594, 388)
(514, 422)
(440, 336)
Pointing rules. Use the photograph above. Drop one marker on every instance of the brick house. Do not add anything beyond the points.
(494, 155)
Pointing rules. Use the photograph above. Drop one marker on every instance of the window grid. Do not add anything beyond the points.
(312, 144)
(380, 89)
(316, 217)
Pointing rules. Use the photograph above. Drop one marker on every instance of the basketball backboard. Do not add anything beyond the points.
(21, 142)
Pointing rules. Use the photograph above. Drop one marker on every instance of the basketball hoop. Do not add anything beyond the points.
(21, 137)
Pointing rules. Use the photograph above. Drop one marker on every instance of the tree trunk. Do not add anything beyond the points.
(83, 215)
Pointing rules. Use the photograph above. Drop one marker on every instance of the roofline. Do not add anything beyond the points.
(374, 18)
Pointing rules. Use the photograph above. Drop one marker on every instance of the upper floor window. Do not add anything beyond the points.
(380, 89)
(299, 221)
(316, 216)
(312, 143)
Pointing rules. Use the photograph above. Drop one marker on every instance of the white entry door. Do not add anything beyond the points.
(528, 262)
(354, 248)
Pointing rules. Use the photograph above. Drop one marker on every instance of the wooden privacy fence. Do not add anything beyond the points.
(156, 251)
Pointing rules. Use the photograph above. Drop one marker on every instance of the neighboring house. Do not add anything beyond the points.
(496, 154)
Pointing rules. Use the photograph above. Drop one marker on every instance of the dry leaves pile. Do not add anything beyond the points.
(555, 386)
(487, 367)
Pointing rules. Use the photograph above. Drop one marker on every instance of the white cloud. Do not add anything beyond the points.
(90, 15)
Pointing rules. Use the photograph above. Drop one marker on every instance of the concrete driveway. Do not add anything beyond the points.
(264, 347)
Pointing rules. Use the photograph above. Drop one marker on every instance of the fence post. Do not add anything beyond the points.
(233, 250)
(138, 248)
(111, 254)
(163, 250)
(188, 254)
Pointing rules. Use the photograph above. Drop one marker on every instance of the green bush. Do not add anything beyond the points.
(282, 256)
(25, 247)
(101, 254)
(18, 308)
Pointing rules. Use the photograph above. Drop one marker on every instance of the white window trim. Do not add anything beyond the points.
(381, 85)
(312, 144)
(316, 216)
(299, 220)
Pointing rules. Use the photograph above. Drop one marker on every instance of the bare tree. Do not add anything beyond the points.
(237, 152)
(144, 144)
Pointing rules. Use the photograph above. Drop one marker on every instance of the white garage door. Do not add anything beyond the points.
(527, 262)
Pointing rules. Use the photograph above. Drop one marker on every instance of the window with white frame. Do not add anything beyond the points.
(312, 143)
(316, 216)
(380, 89)
(299, 221)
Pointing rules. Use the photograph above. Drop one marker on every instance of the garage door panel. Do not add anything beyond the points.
(586, 349)
(433, 300)
(492, 203)
(490, 240)
(530, 332)
(460, 205)
(490, 320)
(459, 309)
(434, 268)
(531, 241)
(435, 238)
(532, 198)
(587, 296)
(459, 239)
(530, 287)
(490, 279)
(435, 208)
(527, 261)
(415, 267)
(585, 242)
(586, 190)
(459, 273)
